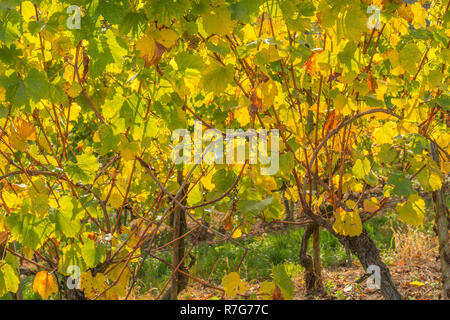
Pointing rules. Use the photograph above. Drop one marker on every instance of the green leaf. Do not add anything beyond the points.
(30, 230)
(244, 10)
(108, 140)
(444, 100)
(172, 114)
(218, 21)
(283, 281)
(216, 77)
(371, 179)
(20, 92)
(274, 210)
(354, 22)
(92, 253)
(387, 153)
(254, 206)
(222, 48)
(37, 85)
(402, 184)
(36, 26)
(410, 56)
(347, 55)
(11, 260)
(71, 256)
(9, 54)
(306, 8)
(10, 25)
(67, 220)
(223, 179)
(286, 164)
(165, 11)
(39, 202)
(113, 10)
(189, 61)
(9, 279)
(84, 170)
(107, 50)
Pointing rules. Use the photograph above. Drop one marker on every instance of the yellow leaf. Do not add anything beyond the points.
(237, 233)
(96, 137)
(128, 150)
(361, 168)
(45, 284)
(28, 11)
(2, 94)
(72, 90)
(412, 211)
(417, 283)
(446, 167)
(167, 37)
(340, 101)
(93, 286)
(266, 290)
(385, 134)
(13, 199)
(371, 205)
(115, 199)
(25, 130)
(218, 21)
(242, 116)
(420, 15)
(146, 47)
(232, 284)
(16, 142)
(113, 274)
(19, 133)
(347, 223)
(267, 91)
(405, 12)
(435, 181)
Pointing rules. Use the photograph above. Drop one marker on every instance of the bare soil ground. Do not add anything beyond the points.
(414, 267)
(419, 280)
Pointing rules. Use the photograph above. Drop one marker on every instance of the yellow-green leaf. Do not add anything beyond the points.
(412, 211)
(347, 223)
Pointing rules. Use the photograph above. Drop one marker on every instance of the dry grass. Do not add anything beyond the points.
(412, 245)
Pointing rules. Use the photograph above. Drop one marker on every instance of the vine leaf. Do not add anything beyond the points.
(412, 211)
(45, 284)
(232, 284)
(347, 223)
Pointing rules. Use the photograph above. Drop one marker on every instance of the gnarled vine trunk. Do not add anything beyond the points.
(313, 280)
(441, 220)
(364, 248)
(178, 221)
(316, 257)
